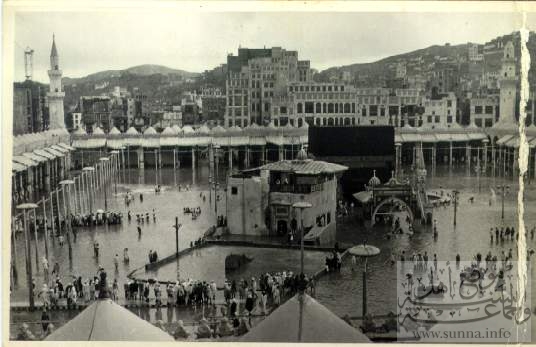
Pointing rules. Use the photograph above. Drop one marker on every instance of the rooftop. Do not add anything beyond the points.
(306, 167)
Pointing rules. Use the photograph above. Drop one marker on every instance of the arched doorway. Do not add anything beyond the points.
(387, 207)
(282, 227)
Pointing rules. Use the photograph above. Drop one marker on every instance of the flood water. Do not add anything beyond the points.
(340, 292)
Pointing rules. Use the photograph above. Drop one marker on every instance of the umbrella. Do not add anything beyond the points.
(100, 211)
(104, 320)
(364, 251)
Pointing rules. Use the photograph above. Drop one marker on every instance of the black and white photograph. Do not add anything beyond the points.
(281, 172)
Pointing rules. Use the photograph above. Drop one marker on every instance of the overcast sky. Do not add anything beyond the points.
(194, 41)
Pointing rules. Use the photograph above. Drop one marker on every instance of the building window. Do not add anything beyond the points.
(300, 107)
(364, 112)
(283, 110)
(373, 110)
(437, 119)
(309, 107)
(318, 108)
(234, 190)
(429, 119)
(449, 119)
(478, 109)
(478, 122)
(489, 109)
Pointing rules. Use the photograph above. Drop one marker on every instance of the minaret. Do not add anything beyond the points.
(508, 86)
(55, 95)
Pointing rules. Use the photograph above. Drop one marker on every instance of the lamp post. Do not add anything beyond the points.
(27, 249)
(216, 183)
(504, 190)
(89, 170)
(455, 197)
(67, 208)
(364, 251)
(301, 205)
(104, 161)
(115, 153)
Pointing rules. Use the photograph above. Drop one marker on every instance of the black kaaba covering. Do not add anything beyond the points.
(361, 148)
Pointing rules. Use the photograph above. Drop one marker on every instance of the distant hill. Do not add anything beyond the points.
(380, 68)
(140, 70)
(155, 81)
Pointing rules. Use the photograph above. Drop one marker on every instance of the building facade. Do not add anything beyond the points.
(260, 202)
(484, 111)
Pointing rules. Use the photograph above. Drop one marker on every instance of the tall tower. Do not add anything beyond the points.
(508, 86)
(55, 95)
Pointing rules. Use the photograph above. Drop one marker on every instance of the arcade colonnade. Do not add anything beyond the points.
(176, 147)
(493, 152)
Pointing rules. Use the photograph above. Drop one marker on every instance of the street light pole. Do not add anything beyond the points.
(503, 188)
(104, 160)
(67, 212)
(89, 170)
(302, 205)
(455, 192)
(27, 250)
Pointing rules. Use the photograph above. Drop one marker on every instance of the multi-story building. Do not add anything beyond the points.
(440, 112)
(401, 70)
(28, 108)
(191, 108)
(76, 120)
(257, 76)
(484, 110)
(475, 52)
(96, 112)
(213, 101)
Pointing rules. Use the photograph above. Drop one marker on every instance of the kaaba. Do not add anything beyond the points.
(361, 148)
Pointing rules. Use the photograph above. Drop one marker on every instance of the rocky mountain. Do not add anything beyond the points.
(155, 81)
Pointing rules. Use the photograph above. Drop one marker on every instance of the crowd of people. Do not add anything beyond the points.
(99, 218)
(142, 218)
(508, 234)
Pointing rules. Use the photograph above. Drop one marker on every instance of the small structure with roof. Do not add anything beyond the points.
(259, 200)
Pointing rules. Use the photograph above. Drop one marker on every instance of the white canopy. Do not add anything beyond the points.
(318, 325)
(105, 320)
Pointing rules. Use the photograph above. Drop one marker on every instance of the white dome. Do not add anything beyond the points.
(80, 131)
(150, 131)
(98, 131)
(132, 131)
(169, 131)
(114, 131)
(188, 129)
(203, 130)
(218, 129)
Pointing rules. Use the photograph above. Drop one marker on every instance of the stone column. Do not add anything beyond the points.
(247, 157)
(230, 159)
(450, 155)
(281, 153)
(141, 160)
(494, 158)
(468, 157)
(433, 158)
(174, 158)
(515, 163)
(263, 159)
(485, 158)
(29, 183)
(48, 172)
(193, 157)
